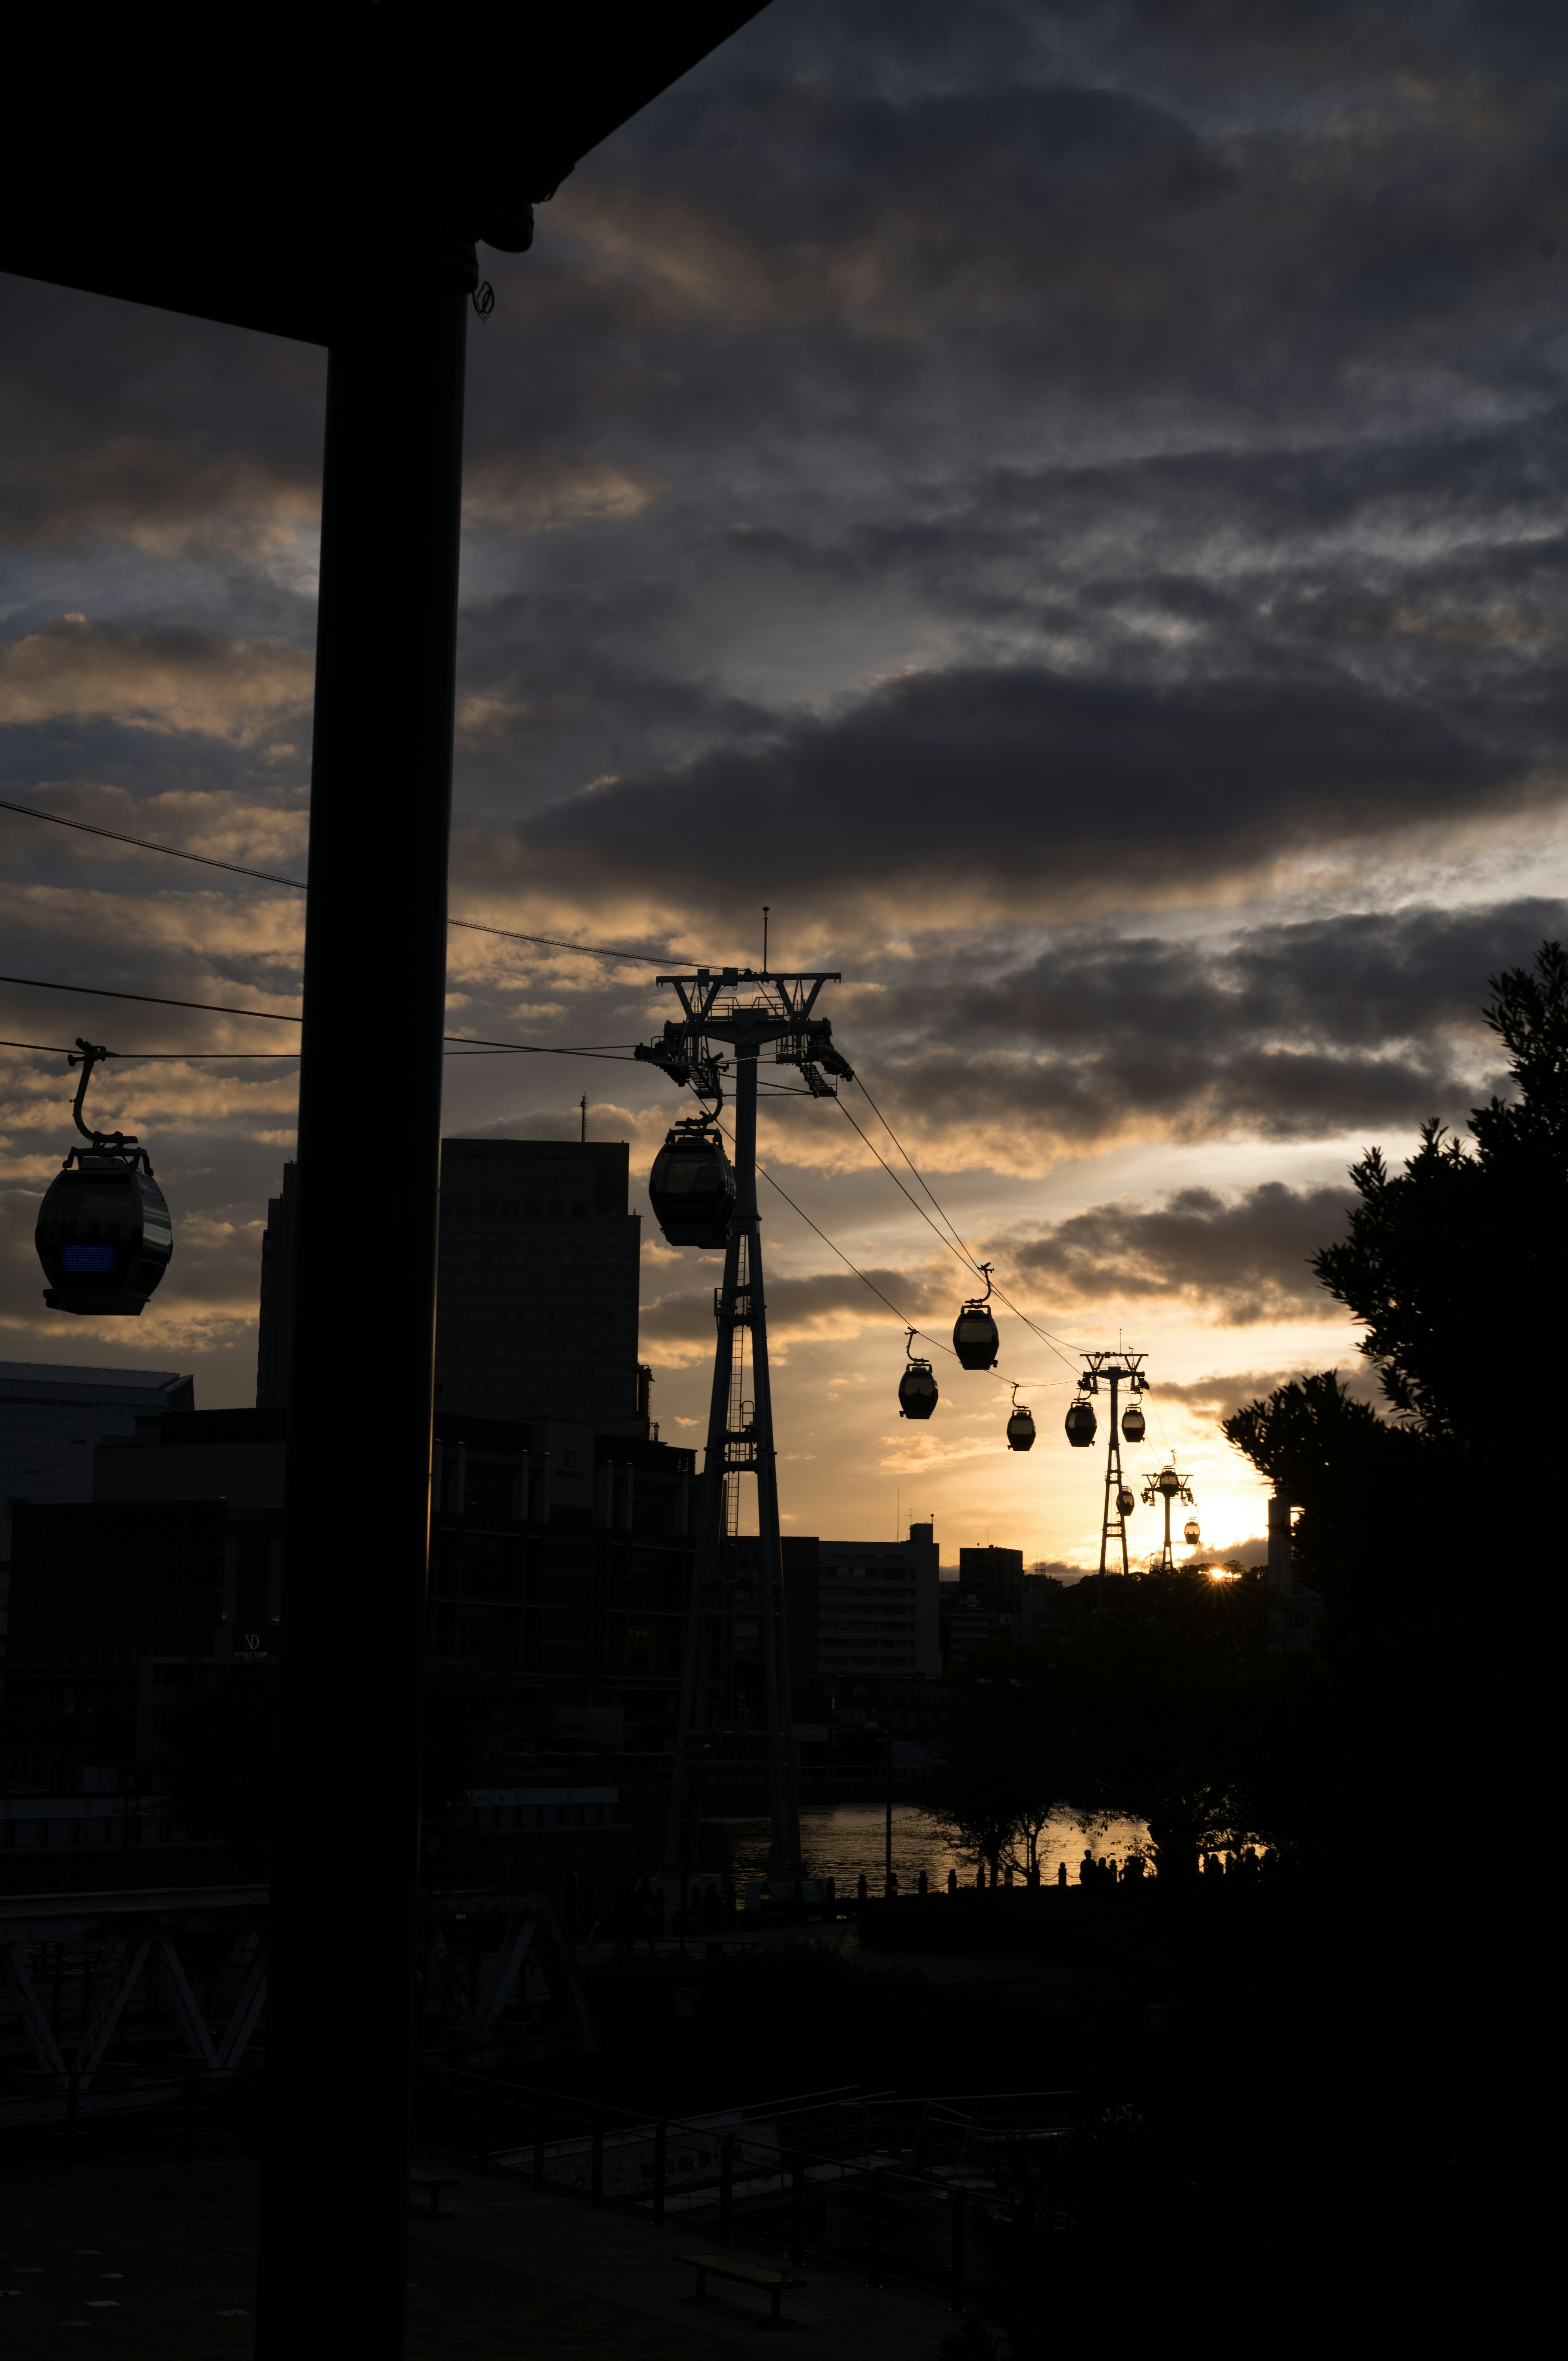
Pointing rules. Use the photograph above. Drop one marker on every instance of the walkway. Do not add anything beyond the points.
(625, 2260)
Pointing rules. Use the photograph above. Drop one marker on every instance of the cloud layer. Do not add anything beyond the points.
(1070, 506)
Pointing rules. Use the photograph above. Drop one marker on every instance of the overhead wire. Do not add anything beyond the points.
(902, 1317)
(299, 885)
(961, 1249)
(950, 1236)
(143, 1057)
(619, 1053)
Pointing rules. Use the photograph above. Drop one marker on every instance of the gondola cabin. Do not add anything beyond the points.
(692, 1188)
(917, 1393)
(104, 1236)
(1021, 1429)
(1191, 1532)
(1125, 1502)
(975, 1340)
(1133, 1426)
(1081, 1424)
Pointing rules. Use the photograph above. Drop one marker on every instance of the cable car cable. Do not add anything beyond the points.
(276, 1017)
(1044, 1335)
(1063, 1353)
(941, 1209)
(298, 885)
(141, 1057)
(963, 1256)
(1044, 1384)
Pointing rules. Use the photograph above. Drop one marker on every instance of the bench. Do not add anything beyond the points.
(434, 2181)
(752, 2275)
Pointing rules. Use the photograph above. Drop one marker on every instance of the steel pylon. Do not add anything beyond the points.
(718, 1729)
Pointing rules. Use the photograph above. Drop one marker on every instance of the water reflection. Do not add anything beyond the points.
(846, 1842)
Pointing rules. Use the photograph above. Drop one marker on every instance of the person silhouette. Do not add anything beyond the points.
(862, 1891)
(1061, 1873)
(1086, 1870)
(952, 1881)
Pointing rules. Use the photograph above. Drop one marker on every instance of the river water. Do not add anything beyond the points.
(846, 1842)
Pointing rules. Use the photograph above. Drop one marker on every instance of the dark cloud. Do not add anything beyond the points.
(1049, 785)
(966, 474)
(825, 1304)
(1245, 1259)
(1358, 1022)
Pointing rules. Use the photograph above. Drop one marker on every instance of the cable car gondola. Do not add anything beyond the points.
(1126, 1502)
(692, 1185)
(1081, 1424)
(1020, 1426)
(918, 1395)
(104, 1234)
(975, 1340)
(1191, 1533)
(1133, 1426)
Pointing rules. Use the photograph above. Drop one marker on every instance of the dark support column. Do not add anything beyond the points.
(340, 2023)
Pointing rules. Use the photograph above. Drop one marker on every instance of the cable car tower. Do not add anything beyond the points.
(1169, 1485)
(747, 1011)
(1114, 1370)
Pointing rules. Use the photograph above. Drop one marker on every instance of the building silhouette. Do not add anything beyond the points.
(876, 1610)
(537, 1307)
(52, 1415)
(560, 1566)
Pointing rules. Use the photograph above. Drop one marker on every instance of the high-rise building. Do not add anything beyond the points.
(537, 1302)
(876, 1609)
(996, 1576)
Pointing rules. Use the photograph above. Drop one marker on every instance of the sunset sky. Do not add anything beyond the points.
(1064, 502)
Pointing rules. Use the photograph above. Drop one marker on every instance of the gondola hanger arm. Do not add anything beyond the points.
(88, 1054)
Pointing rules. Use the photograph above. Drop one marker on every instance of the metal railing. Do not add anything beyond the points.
(907, 2188)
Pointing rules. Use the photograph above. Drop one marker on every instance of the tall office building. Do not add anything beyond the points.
(537, 1305)
(876, 1609)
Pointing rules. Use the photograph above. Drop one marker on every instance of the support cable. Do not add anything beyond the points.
(619, 1055)
(298, 885)
(142, 1057)
(1040, 1385)
(1063, 1353)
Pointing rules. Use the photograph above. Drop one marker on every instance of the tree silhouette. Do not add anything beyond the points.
(1455, 1265)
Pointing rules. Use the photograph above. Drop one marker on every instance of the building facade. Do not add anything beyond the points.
(539, 1281)
(876, 1609)
(536, 1312)
(52, 1417)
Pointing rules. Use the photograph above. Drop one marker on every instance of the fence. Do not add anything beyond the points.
(908, 2189)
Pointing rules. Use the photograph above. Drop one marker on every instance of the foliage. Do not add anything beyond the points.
(1455, 1268)
(1158, 1701)
(1355, 1476)
(1000, 1779)
(1455, 1265)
